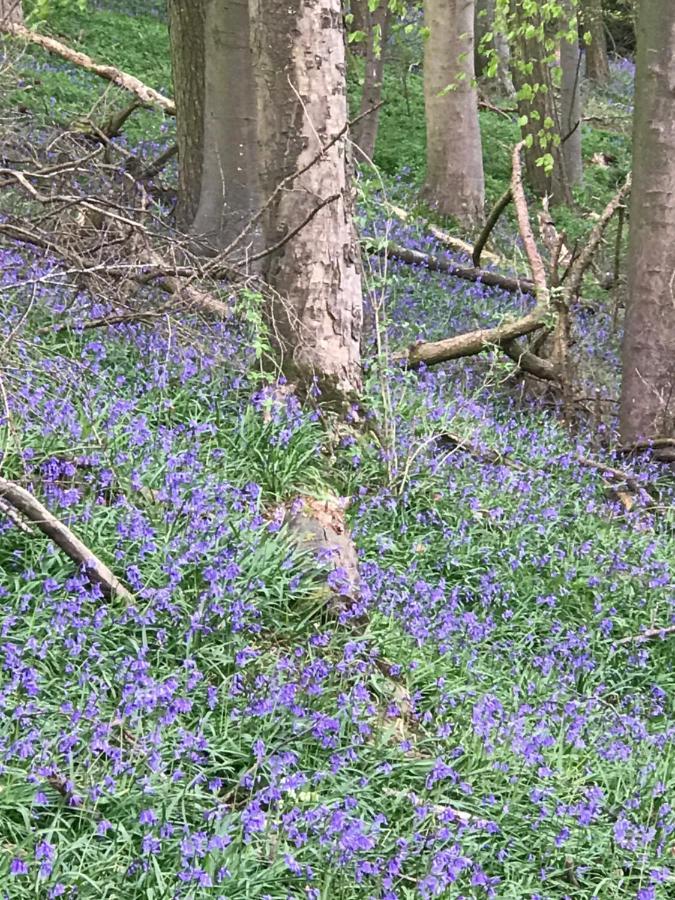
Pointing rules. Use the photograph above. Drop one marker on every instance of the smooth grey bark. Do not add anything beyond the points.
(364, 133)
(648, 390)
(570, 101)
(11, 12)
(186, 31)
(230, 194)
(597, 63)
(454, 181)
(216, 119)
(315, 312)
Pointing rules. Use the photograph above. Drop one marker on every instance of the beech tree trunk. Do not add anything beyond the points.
(570, 102)
(314, 272)
(597, 63)
(11, 13)
(364, 133)
(454, 182)
(648, 390)
(186, 30)
(217, 136)
(360, 12)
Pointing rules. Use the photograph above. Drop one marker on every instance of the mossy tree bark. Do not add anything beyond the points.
(648, 390)
(454, 181)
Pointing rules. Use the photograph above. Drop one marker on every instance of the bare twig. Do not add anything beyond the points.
(648, 635)
(33, 511)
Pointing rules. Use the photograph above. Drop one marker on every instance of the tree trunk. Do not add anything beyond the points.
(360, 12)
(648, 390)
(570, 101)
(454, 183)
(186, 30)
(597, 64)
(216, 120)
(364, 133)
(230, 195)
(487, 22)
(537, 108)
(316, 307)
(11, 13)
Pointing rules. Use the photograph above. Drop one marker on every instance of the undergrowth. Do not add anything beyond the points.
(483, 734)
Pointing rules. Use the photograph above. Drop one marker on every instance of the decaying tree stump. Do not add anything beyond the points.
(319, 527)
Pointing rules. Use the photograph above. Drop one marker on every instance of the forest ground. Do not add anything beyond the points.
(474, 728)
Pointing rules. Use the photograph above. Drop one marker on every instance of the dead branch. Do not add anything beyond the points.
(474, 342)
(583, 261)
(115, 122)
(468, 273)
(617, 474)
(33, 511)
(528, 361)
(449, 240)
(492, 220)
(148, 96)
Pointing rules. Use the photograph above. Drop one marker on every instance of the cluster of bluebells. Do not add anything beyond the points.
(483, 735)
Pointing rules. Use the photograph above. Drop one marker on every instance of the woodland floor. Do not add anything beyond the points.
(484, 734)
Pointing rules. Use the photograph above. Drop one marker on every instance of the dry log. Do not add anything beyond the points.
(148, 96)
(34, 512)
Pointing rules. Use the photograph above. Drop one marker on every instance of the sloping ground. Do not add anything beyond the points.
(482, 736)
(474, 729)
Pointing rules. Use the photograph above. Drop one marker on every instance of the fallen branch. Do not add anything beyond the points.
(528, 361)
(33, 511)
(474, 342)
(449, 240)
(148, 96)
(507, 283)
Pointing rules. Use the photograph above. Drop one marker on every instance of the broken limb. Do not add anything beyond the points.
(30, 509)
(148, 96)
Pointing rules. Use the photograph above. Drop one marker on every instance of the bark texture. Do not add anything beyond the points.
(229, 196)
(11, 13)
(186, 30)
(597, 64)
(364, 133)
(648, 390)
(314, 272)
(359, 11)
(454, 181)
(570, 101)
(216, 118)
